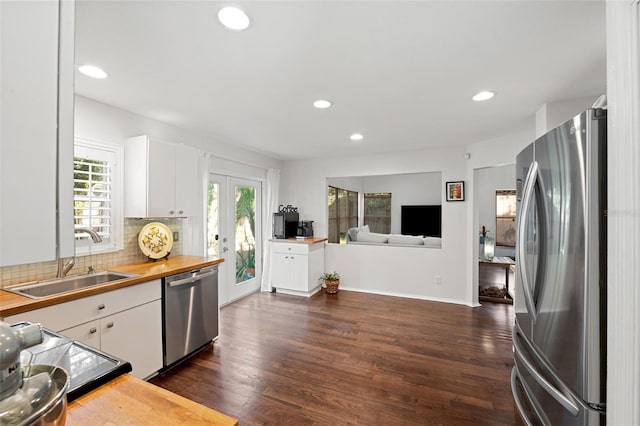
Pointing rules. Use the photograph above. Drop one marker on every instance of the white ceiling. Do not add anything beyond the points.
(400, 72)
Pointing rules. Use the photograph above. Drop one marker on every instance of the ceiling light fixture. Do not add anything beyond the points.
(92, 71)
(234, 18)
(356, 137)
(483, 96)
(322, 104)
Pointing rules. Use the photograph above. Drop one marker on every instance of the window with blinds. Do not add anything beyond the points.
(506, 217)
(95, 198)
(377, 212)
(343, 213)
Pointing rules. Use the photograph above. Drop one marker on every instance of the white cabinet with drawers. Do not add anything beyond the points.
(296, 267)
(126, 323)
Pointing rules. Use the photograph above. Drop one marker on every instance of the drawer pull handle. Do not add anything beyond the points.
(101, 306)
(110, 325)
(93, 330)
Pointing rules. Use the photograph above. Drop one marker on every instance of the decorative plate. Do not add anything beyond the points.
(155, 240)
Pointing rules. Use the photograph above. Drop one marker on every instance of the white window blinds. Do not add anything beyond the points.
(94, 195)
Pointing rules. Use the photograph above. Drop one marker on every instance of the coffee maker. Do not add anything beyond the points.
(305, 229)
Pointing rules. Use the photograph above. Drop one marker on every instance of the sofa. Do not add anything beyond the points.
(362, 235)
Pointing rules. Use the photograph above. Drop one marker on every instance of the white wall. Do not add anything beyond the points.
(408, 272)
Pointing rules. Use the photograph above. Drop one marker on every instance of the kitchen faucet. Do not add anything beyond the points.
(65, 267)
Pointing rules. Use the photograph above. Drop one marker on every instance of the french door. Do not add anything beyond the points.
(234, 233)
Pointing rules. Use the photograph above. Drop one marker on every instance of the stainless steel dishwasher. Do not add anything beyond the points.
(189, 313)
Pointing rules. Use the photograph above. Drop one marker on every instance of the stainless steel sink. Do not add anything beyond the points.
(64, 285)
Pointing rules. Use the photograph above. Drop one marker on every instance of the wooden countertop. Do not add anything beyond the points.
(310, 240)
(11, 303)
(127, 400)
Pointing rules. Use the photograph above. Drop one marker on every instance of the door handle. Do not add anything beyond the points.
(529, 185)
(565, 401)
(191, 279)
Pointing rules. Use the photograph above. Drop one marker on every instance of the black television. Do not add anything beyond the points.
(421, 220)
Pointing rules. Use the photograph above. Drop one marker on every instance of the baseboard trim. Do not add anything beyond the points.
(406, 295)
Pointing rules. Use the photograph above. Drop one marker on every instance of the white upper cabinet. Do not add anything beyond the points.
(161, 179)
(29, 140)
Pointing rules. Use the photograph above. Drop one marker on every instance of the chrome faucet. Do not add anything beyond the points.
(94, 235)
(65, 267)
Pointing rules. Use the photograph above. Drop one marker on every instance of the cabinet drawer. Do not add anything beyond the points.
(69, 314)
(290, 248)
(87, 333)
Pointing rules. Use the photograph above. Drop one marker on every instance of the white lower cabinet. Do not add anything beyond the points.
(125, 323)
(134, 335)
(296, 267)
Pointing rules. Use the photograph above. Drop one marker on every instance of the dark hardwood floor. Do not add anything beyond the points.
(354, 358)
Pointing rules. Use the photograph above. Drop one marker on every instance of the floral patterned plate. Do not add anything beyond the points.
(155, 240)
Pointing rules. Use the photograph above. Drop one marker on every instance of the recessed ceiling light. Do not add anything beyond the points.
(356, 137)
(92, 71)
(483, 96)
(322, 103)
(234, 18)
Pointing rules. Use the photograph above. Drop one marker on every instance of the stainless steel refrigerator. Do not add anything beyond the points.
(559, 334)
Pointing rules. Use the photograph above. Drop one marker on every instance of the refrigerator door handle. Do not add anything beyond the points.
(567, 403)
(529, 185)
(515, 374)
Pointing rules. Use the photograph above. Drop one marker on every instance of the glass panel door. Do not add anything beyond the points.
(245, 226)
(234, 234)
(246, 220)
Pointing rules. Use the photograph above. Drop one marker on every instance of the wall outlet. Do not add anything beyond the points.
(438, 280)
(176, 236)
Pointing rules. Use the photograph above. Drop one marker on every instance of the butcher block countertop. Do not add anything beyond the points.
(127, 400)
(12, 304)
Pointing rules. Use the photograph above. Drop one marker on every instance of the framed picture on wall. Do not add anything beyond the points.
(455, 191)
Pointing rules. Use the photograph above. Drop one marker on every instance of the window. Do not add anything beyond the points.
(377, 212)
(97, 196)
(343, 213)
(506, 218)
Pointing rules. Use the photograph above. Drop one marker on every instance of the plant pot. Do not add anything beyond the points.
(331, 286)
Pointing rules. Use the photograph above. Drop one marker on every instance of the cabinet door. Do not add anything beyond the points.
(87, 333)
(298, 272)
(28, 130)
(135, 335)
(280, 270)
(162, 179)
(189, 195)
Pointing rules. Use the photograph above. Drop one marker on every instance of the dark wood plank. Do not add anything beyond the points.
(354, 358)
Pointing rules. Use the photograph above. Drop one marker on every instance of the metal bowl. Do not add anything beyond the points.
(53, 410)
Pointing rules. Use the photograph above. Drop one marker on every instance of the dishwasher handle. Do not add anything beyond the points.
(191, 279)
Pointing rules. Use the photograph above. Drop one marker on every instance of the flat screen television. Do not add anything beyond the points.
(421, 220)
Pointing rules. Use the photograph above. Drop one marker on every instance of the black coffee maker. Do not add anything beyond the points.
(305, 229)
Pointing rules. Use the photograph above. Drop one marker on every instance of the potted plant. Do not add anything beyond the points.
(331, 281)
